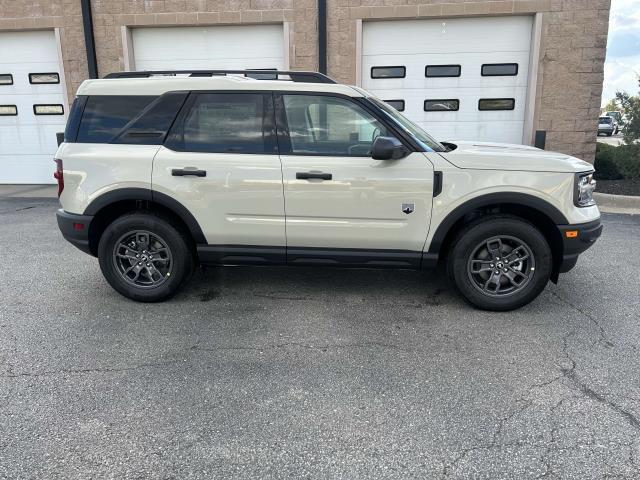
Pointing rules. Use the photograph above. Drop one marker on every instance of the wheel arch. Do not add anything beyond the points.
(528, 207)
(113, 204)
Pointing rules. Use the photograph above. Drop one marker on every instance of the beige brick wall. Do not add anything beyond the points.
(572, 47)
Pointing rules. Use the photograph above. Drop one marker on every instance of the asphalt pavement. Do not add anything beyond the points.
(615, 140)
(315, 373)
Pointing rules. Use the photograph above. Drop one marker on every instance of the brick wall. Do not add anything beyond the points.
(572, 54)
(572, 47)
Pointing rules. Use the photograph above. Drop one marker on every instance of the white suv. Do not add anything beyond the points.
(162, 171)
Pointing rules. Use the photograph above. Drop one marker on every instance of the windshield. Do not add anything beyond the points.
(615, 115)
(605, 119)
(427, 141)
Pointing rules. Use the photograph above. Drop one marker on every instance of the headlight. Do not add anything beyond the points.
(585, 185)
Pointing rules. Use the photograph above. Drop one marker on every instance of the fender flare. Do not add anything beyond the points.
(517, 198)
(146, 194)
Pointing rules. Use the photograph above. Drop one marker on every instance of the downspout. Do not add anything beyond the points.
(89, 40)
(322, 36)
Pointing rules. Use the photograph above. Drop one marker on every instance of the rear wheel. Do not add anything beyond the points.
(500, 263)
(144, 257)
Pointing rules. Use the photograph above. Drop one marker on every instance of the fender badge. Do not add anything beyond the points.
(408, 208)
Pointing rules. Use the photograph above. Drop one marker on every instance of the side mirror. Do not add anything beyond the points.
(388, 148)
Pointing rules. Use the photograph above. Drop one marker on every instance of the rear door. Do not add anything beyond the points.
(220, 161)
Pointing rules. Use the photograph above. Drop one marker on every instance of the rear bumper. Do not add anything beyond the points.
(575, 240)
(75, 229)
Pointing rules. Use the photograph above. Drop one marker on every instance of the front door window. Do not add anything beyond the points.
(323, 125)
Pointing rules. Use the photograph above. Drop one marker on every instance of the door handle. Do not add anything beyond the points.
(184, 172)
(310, 175)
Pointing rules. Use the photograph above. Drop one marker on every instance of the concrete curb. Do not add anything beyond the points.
(617, 203)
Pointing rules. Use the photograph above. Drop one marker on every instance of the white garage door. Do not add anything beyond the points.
(460, 78)
(32, 107)
(218, 47)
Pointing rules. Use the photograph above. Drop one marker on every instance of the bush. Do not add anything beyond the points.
(628, 160)
(614, 163)
(605, 165)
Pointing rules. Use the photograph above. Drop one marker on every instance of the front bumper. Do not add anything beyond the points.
(575, 240)
(75, 229)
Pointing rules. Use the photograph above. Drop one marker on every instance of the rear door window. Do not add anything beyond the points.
(105, 115)
(225, 123)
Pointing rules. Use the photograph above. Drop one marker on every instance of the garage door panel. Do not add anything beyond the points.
(468, 97)
(216, 47)
(25, 104)
(454, 35)
(468, 42)
(510, 131)
(21, 85)
(34, 46)
(28, 140)
(470, 66)
(219, 64)
(27, 168)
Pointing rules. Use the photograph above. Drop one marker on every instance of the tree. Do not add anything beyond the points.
(612, 105)
(631, 107)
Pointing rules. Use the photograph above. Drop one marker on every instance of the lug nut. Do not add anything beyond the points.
(492, 265)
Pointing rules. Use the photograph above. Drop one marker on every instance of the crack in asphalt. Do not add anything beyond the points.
(598, 397)
(89, 370)
(602, 334)
(299, 345)
(197, 347)
(566, 372)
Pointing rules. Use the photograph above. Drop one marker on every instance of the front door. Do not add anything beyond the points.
(341, 205)
(220, 161)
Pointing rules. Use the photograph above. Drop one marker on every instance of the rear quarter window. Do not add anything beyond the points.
(150, 127)
(105, 115)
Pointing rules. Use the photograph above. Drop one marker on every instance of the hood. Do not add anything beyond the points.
(504, 156)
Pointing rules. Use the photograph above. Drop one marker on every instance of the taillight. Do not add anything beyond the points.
(58, 175)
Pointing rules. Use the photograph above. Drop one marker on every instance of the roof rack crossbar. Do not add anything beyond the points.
(260, 74)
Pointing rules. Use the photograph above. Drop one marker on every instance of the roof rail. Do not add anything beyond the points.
(257, 74)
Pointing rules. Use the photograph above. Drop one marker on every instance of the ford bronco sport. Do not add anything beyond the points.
(162, 171)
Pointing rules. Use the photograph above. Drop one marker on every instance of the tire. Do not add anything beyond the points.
(609, 134)
(163, 265)
(521, 279)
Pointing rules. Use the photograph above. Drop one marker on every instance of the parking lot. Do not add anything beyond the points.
(275, 372)
(615, 140)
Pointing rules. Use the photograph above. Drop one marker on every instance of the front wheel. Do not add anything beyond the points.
(144, 257)
(500, 263)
